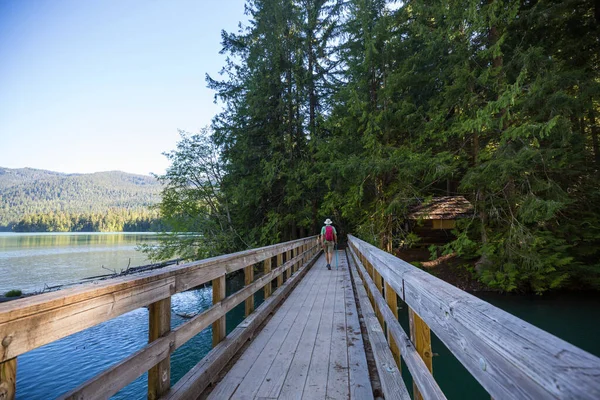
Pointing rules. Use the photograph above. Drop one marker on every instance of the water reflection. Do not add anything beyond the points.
(12, 241)
(29, 262)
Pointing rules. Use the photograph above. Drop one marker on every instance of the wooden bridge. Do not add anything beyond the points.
(319, 334)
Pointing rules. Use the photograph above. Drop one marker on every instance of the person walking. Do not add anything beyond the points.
(328, 240)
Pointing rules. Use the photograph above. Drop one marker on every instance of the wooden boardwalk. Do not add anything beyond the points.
(311, 348)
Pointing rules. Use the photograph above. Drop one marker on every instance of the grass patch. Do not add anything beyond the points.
(13, 293)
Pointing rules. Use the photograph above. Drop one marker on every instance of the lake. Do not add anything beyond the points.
(30, 261)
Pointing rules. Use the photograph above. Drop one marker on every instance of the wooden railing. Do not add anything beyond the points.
(509, 357)
(33, 322)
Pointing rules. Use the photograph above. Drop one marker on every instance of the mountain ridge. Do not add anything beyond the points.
(28, 191)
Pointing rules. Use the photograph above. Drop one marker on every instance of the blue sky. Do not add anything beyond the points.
(98, 85)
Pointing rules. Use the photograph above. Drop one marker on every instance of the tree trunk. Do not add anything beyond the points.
(315, 209)
(312, 97)
(594, 133)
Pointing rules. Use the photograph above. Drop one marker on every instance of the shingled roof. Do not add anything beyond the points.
(446, 207)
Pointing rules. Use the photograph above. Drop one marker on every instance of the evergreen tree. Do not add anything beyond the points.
(358, 110)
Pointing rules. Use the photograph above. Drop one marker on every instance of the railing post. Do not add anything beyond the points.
(266, 270)
(378, 284)
(392, 302)
(370, 275)
(8, 378)
(159, 376)
(280, 276)
(420, 335)
(294, 255)
(248, 279)
(218, 327)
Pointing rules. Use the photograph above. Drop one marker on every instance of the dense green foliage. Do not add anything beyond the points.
(193, 205)
(112, 220)
(43, 201)
(354, 109)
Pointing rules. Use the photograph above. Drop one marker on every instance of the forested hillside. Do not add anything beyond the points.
(37, 200)
(355, 109)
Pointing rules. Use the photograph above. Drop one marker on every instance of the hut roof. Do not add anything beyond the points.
(446, 207)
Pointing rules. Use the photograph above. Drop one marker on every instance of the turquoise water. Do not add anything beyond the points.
(573, 317)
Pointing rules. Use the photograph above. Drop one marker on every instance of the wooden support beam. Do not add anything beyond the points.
(279, 262)
(369, 275)
(248, 279)
(159, 376)
(266, 270)
(392, 302)
(304, 249)
(295, 253)
(8, 379)
(379, 285)
(218, 327)
(420, 335)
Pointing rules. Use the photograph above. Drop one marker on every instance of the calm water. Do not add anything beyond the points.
(29, 261)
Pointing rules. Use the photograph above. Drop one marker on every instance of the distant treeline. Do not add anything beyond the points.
(114, 220)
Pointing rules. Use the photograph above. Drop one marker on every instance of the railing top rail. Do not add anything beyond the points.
(508, 356)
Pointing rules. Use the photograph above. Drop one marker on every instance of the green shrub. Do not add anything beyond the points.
(13, 293)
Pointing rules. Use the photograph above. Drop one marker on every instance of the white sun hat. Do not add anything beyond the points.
(328, 222)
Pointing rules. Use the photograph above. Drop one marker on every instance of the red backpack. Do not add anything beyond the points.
(329, 233)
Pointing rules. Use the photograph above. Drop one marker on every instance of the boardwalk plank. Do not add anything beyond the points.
(250, 384)
(238, 372)
(316, 382)
(293, 386)
(337, 378)
(271, 386)
(311, 349)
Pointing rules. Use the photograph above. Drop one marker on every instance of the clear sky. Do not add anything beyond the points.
(99, 85)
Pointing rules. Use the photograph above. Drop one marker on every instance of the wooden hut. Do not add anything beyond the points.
(433, 220)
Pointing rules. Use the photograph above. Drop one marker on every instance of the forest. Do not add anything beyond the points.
(112, 220)
(45, 201)
(356, 110)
